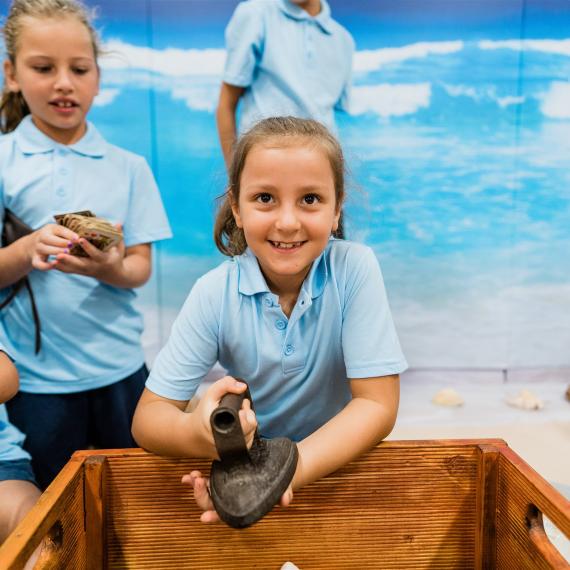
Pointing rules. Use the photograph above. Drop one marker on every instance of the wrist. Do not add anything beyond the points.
(200, 441)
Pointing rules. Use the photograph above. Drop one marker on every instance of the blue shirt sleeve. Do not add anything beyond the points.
(192, 348)
(244, 44)
(369, 340)
(146, 219)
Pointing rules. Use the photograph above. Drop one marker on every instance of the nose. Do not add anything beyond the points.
(63, 81)
(287, 219)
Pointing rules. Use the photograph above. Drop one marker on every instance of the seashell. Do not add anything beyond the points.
(448, 397)
(525, 400)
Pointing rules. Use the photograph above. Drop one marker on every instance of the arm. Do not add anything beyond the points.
(8, 378)
(365, 421)
(121, 267)
(162, 426)
(226, 118)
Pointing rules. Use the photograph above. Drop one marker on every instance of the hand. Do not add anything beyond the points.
(201, 486)
(211, 400)
(99, 264)
(51, 240)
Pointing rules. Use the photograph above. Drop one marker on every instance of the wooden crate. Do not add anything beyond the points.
(409, 504)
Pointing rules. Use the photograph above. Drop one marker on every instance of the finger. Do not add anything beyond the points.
(93, 252)
(209, 517)
(42, 264)
(45, 249)
(286, 498)
(224, 385)
(61, 232)
(248, 420)
(202, 495)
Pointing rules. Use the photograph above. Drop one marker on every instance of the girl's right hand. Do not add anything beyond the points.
(49, 241)
(210, 401)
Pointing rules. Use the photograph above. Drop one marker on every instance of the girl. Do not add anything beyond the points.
(18, 492)
(301, 316)
(82, 386)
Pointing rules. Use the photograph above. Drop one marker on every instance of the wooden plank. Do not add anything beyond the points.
(94, 512)
(522, 495)
(404, 505)
(485, 551)
(20, 545)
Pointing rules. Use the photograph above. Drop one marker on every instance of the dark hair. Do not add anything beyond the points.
(13, 108)
(230, 239)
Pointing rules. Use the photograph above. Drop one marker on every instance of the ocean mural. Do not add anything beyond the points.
(458, 143)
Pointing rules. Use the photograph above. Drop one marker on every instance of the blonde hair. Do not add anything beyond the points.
(230, 239)
(13, 107)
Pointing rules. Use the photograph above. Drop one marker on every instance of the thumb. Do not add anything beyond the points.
(225, 385)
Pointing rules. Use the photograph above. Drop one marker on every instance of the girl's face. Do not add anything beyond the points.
(57, 74)
(287, 209)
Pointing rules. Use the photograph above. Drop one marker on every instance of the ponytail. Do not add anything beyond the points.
(230, 239)
(13, 109)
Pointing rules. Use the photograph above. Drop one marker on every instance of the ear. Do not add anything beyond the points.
(235, 209)
(10, 76)
(336, 219)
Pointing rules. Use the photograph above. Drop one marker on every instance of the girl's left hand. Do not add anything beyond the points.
(201, 486)
(98, 264)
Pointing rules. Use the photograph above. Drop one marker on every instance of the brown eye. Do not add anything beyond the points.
(264, 198)
(310, 199)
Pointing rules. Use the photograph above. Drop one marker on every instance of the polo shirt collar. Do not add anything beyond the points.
(323, 18)
(251, 281)
(32, 141)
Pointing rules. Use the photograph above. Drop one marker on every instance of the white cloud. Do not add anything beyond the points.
(510, 100)
(371, 60)
(172, 62)
(390, 100)
(556, 102)
(106, 97)
(198, 98)
(561, 47)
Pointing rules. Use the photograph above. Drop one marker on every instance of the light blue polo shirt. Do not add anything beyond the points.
(11, 439)
(297, 367)
(289, 62)
(90, 331)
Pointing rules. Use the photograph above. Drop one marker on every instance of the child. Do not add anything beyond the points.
(83, 385)
(284, 57)
(18, 493)
(301, 316)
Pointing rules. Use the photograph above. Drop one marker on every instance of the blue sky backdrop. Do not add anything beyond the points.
(458, 143)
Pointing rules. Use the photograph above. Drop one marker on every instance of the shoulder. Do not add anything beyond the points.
(213, 284)
(125, 156)
(7, 142)
(341, 34)
(349, 254)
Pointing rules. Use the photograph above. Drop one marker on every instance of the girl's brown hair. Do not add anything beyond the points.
(13, 108)
(230, 239)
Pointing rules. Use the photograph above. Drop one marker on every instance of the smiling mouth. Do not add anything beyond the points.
(286, 245)
(64, 104)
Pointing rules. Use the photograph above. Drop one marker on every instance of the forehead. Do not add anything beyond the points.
(54, 36)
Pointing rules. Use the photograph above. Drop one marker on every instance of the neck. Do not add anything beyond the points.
(61, 136)
(312, 7)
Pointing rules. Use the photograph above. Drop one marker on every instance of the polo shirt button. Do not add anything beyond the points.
(281, 324)
(289, 350)
(268, 302)
(60, 192)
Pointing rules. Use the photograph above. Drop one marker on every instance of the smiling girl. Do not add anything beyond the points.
(81, 386)
(299, 314)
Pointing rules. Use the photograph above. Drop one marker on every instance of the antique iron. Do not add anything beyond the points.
(246, 484)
